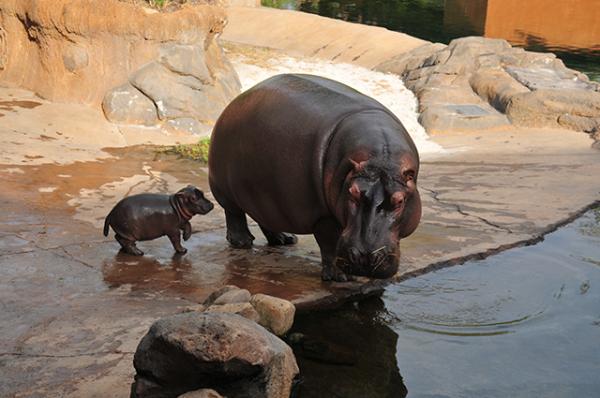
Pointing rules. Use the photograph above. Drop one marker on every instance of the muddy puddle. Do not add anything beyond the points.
(61, 209)
(523, 323)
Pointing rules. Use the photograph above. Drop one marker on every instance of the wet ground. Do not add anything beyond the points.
(74, 309)
(524, 323)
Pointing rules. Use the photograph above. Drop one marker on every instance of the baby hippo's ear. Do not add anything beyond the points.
(198, 193)
(185, 194)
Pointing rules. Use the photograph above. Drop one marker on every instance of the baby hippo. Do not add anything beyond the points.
(149, 216)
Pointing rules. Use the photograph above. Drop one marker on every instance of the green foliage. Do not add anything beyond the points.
(283, 4)
(158, 3)
(198, 151)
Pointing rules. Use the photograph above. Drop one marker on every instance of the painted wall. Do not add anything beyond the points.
(552, 23)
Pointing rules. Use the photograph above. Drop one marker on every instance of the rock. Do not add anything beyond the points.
(214, 295)
(276, 314)
(182, 85)
(75, 58)
(479, 83)
(126, 104)
(547, 78)
(243, 309)
(233, 296)
(496, 87)
(174, 95)
(545, 108)
(186, 60)
(110, 52)
(194, 308)
(225, 352)
(580, 123)
(411, 60)
(596, 137)
(203, 393)
(188, 125)
(461, 117)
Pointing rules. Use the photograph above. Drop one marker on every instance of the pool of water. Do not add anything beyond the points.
(574, 38)
(523, 323)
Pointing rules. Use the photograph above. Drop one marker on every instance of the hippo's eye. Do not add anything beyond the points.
(397, 199)
(408, 175)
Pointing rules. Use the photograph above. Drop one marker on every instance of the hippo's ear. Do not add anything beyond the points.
(183, 194)
(411, 215)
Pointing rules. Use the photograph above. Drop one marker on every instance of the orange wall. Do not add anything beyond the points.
(557, 23)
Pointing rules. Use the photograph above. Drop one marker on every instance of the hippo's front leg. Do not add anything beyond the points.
(187, 230)
(175, 238)
(327, 233)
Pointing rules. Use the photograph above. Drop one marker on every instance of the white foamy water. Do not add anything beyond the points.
(385, 88)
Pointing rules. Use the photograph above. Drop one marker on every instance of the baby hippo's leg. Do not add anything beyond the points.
(128, 246)
(187, 230)
(175, 238)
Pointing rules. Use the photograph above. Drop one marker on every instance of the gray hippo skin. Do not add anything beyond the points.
(149, 216)
(307, 155)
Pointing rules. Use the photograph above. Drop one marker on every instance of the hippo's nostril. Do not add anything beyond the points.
(354, 255)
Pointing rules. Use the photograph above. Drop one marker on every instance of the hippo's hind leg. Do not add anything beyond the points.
(278, 238)
(327, 233)
(128, 246)
(238, 234)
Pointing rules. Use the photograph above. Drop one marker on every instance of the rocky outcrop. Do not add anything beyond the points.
(144, 67)
(225, 352)
(477, 83)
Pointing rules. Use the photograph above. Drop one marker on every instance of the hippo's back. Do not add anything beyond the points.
(268, 146)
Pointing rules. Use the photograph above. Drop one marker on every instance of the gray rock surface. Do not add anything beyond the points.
(126, 104)
(186, 88)
(233, 296)
(477, 83)
(276, 314)
(225, 352)
(210, 300)
(578, 109)
(243, 309)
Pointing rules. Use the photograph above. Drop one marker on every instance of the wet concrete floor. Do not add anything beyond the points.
(74, 309)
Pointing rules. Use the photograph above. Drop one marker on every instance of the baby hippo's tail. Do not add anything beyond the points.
(106, 224)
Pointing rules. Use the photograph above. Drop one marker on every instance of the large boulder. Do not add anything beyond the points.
(477, 83)
(225, 352)
(145, 67)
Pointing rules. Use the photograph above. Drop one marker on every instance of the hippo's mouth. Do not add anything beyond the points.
(384, 267)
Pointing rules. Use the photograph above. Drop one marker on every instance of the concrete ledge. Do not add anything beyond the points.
(304, 34)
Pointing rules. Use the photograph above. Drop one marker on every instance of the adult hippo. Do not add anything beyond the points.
(304, 154)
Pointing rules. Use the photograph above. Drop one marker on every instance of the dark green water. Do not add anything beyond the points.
(523, 323)
(425, 19)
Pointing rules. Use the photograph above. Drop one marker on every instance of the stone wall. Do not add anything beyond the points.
(157, 68)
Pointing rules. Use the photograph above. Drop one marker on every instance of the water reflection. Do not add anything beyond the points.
(347, 354)
(522, 323)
